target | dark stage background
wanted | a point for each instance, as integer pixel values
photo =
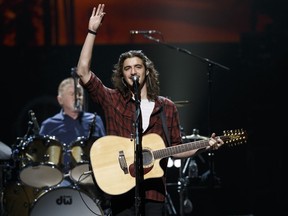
(249, 96)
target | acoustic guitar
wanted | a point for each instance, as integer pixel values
(112, 158)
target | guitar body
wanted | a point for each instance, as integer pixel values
(107, 170)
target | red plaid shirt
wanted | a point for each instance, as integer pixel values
(119, 115)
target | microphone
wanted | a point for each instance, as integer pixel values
(74, 72)
(144, 32)
(135, 79)
(33, 118)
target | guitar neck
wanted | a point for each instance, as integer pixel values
(169, 151)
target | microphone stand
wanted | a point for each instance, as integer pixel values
(205, 60)
(211, 65)
(138, 157)
(75, 77)
(29, 130)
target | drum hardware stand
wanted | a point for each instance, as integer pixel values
(33, 127)
(1, 191)
(19, 142)
(169, 205)
(185, 204)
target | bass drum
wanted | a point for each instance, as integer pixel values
(18, 199)
(65, 201)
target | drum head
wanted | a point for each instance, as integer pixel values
(41, 176)
(78, 174)
(65, 201)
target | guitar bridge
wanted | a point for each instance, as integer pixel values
(122, 162)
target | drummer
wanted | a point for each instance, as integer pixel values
(72, 122)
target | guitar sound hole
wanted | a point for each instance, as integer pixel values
(147, 157)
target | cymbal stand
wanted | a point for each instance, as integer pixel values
(169, 205)
(182, 186)
(185, 205)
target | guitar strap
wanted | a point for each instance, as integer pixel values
(165, 128)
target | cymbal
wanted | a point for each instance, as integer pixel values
(5, 151)
(181, 103)
(195, 137)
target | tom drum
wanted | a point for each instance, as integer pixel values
(40, 162)
(80, 151)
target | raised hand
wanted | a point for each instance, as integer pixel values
(96, 18)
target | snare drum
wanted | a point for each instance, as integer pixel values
(65, 201)
(40, 160)
(80, 151)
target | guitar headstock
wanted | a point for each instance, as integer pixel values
(234, 137)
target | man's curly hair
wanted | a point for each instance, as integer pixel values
(152, 81)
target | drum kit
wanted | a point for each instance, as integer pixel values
(31, 174)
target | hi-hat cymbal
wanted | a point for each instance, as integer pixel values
(195, 137)
(181, 103)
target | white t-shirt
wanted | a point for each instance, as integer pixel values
(146, 110)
